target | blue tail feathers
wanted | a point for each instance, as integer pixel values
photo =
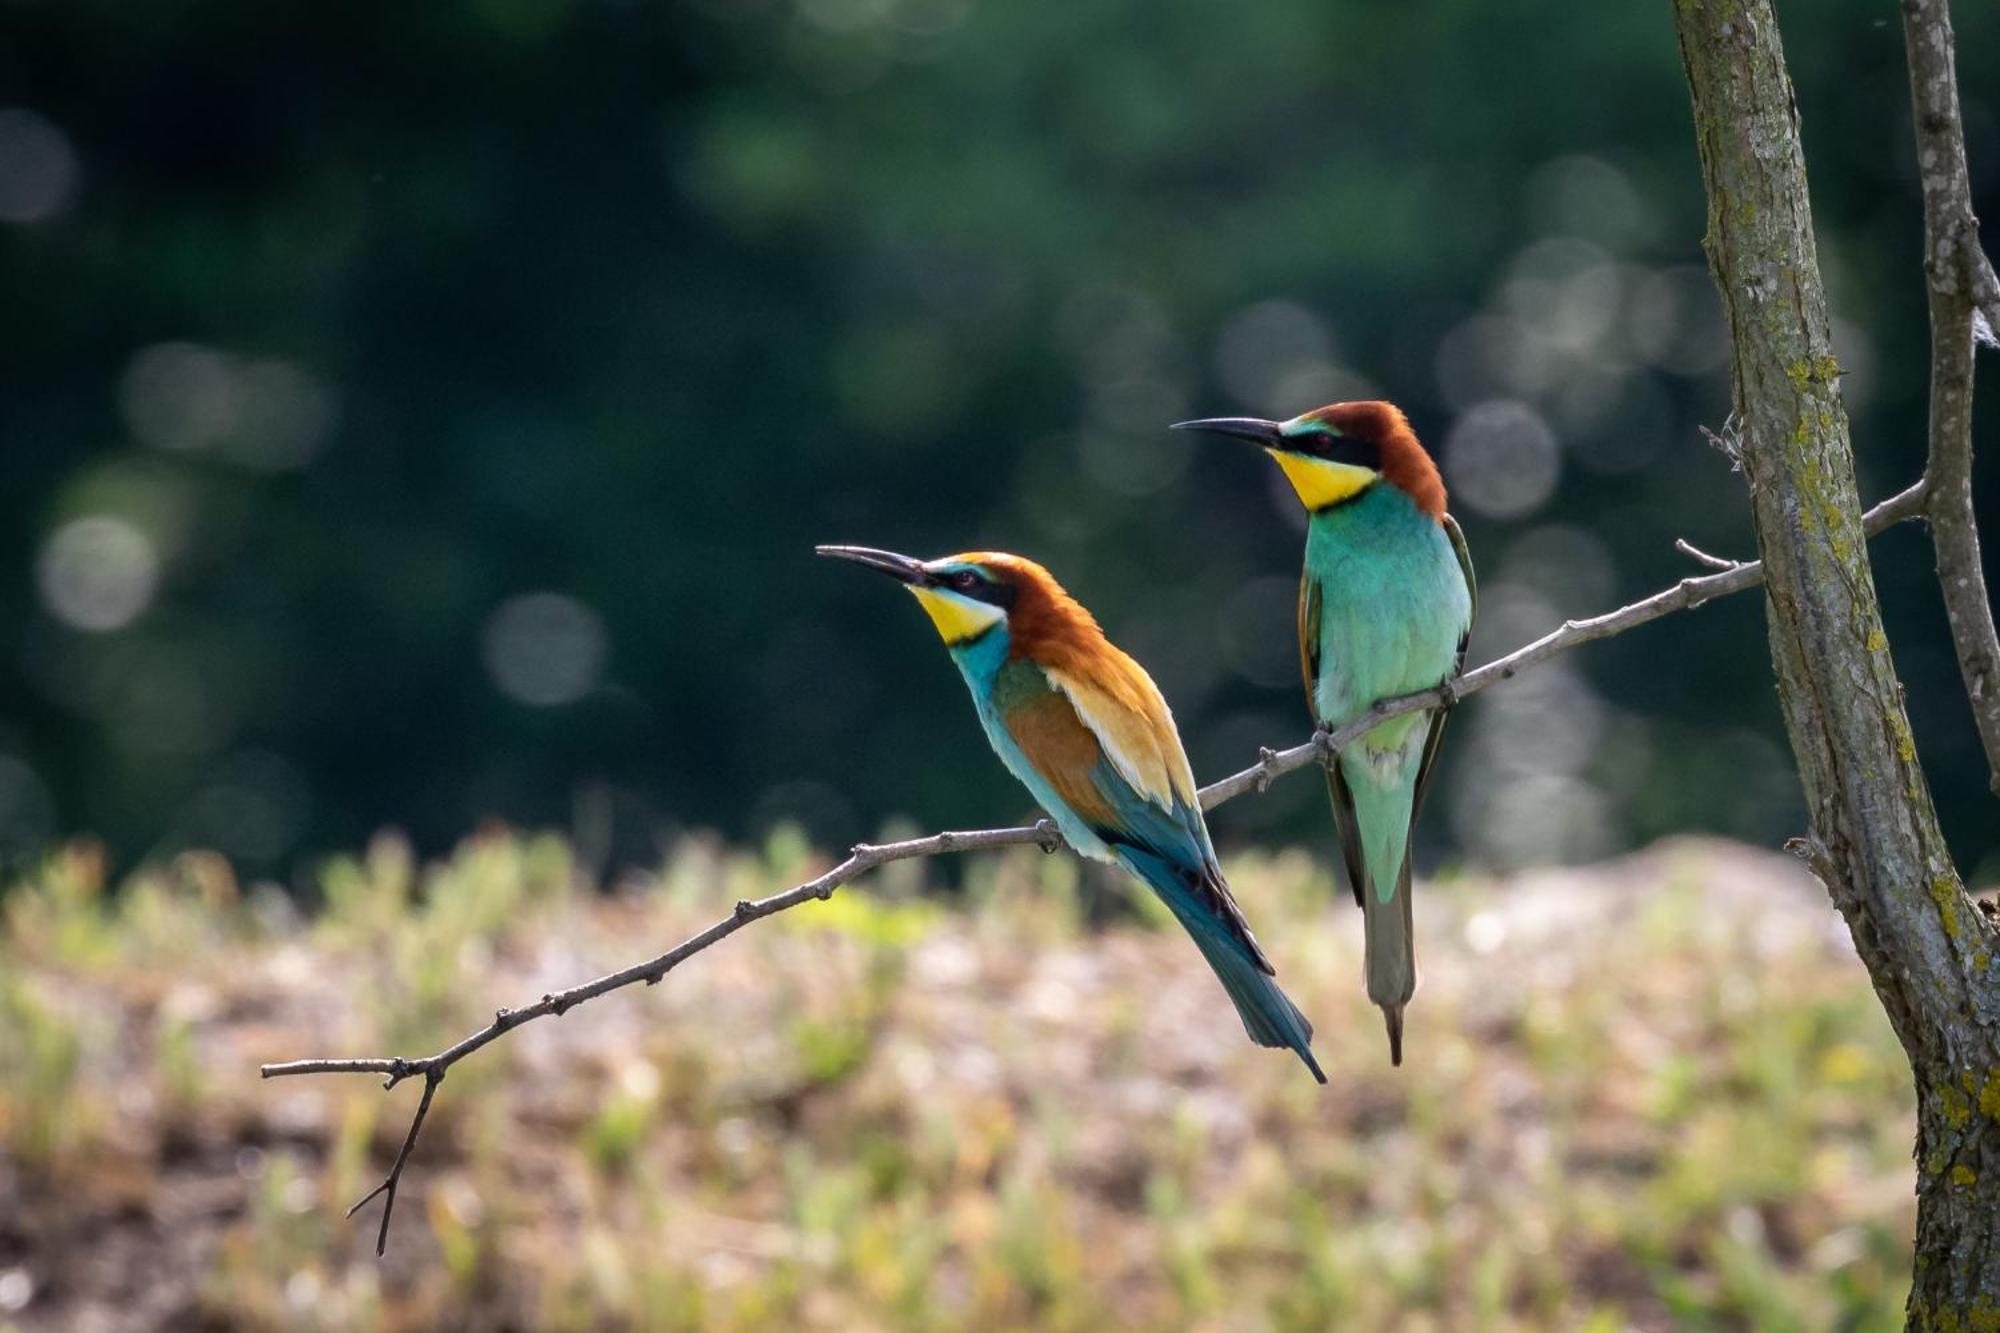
(1268, 1014)
(1191, 891)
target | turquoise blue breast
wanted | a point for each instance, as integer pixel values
(998, 686)
(1393, 601)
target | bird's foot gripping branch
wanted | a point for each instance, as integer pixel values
(1273, 764)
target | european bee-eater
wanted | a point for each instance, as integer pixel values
(1385, 606)
(1086, 731)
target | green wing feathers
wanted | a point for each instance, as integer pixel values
(1376, 801)
(1350, 835)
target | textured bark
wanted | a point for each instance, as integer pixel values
(1954, 268)
(1874, 839)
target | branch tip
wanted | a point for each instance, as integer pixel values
(1693, 552)
(362, 1202)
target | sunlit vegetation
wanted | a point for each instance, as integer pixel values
(1652, 1094)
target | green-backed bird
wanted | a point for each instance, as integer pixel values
(1385, 605)
(1085, 730)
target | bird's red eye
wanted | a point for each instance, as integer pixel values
(965, 580)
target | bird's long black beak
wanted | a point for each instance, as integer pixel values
(1254, 429)
(900, 567)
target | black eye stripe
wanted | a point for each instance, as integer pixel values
(1344, 449)
(979, 586)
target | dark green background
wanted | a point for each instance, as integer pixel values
(634, 302)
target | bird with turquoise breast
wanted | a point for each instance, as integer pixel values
(1083, 727)
(1385, 606)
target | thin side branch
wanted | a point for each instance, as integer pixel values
(395, 1177)
(1699, 556)
(1985, 297)
(1272, 764)
(1728, 441)
(1963, 292)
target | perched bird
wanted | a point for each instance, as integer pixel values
(1085, 730)
(1385, 605)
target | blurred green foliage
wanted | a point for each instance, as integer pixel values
(421, 413)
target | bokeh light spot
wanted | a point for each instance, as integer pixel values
(1675, 321)
(1271, 347)
(544, 649)
(38, 168)
(1520, 793)
(1501, 460)
(1566, 291)
(1572, 567)
(98, 572)
(178, 396)
(263, 413)
(17, 1288)
(1587, 196)
(1492, 355)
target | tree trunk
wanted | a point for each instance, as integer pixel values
(1874, 841)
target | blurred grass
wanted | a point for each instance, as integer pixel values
(1655, 1093)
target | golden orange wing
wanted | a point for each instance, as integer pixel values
(1118, 702)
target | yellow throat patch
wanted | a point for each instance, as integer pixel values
(1321, 482)
(957, 618)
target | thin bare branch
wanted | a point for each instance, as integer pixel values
(1271, 764)
(1963, 293)
(390, 1182)
(1985, 297)
(1728, 441)
(432, 1068)
(1695, 553)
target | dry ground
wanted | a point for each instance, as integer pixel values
(1649, 1094)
